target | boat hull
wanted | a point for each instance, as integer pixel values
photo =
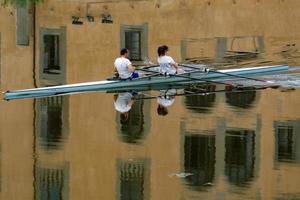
(141, 82)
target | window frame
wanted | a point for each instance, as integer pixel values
(60, 77)
(143, 29)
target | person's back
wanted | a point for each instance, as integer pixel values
(165, 63)
(121, 64)
(124, 66)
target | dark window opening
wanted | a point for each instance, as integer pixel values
(199, 159)
(240, 156)
(285, 144)
(107, 19)
(51, 54)
(133, 43)
(51, 135)
(51, 183)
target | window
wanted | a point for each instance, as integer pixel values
(51, 54)
(135, 38)
(133, 43)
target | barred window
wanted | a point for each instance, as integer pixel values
(135, 38)
(133, 43)
(51, 54)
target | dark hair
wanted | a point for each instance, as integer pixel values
(161, 110)
(161, 51)
(123, 51)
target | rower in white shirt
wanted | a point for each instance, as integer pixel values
(124, 66)
(164, 100)
(123, 102)
(167, 63)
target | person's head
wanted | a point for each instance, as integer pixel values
(161, 51)
(124, 117)
(161, 110)
(124, 52)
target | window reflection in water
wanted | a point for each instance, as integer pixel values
(199, 159)
(241, 99)
(200, 103)
(239, 156)
(132, 127)
(287, 141)
(51, 183)
(133, 179)
(223, 51)
(51, 121)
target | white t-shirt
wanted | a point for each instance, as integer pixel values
(121, 64)
(165, 64)
(166, 97)
(122, 102)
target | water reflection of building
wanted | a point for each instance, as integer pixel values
(200, 103)
(241, 99)
(133, 179)
(287, 141)
(218, 151)
(199, 158)
(52, 122)
(51, 182)
(135, 125)
(222, 50)
(240, 155)
(51, 171)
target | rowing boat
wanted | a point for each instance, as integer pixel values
(115, 85)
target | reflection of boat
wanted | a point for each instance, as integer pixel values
(145, 82)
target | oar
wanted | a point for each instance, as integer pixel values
(228, 74)
(201, 92)
(192, 78)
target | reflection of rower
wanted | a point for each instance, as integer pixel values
(164, 100)
(123, 103)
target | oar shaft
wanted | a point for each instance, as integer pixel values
(202, 79)
(193, 78)
(201, 92)
(227, 74)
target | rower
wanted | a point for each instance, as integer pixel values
(123, 103)
(124, 67)
(164, 100)
(167, 63)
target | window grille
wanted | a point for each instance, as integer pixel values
(133, 43)
(51, 54)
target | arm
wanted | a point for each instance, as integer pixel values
(130, 67)
(175, 65)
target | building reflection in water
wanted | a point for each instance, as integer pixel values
(135, 124)
(287, 141)
(199, 159)
(51, 174)
(51, 183)
(51, 122)
(241, 99)
(239, 156)
(223, 51)
(200, 103)
(133, 179)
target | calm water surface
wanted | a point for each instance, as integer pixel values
(218, 146)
